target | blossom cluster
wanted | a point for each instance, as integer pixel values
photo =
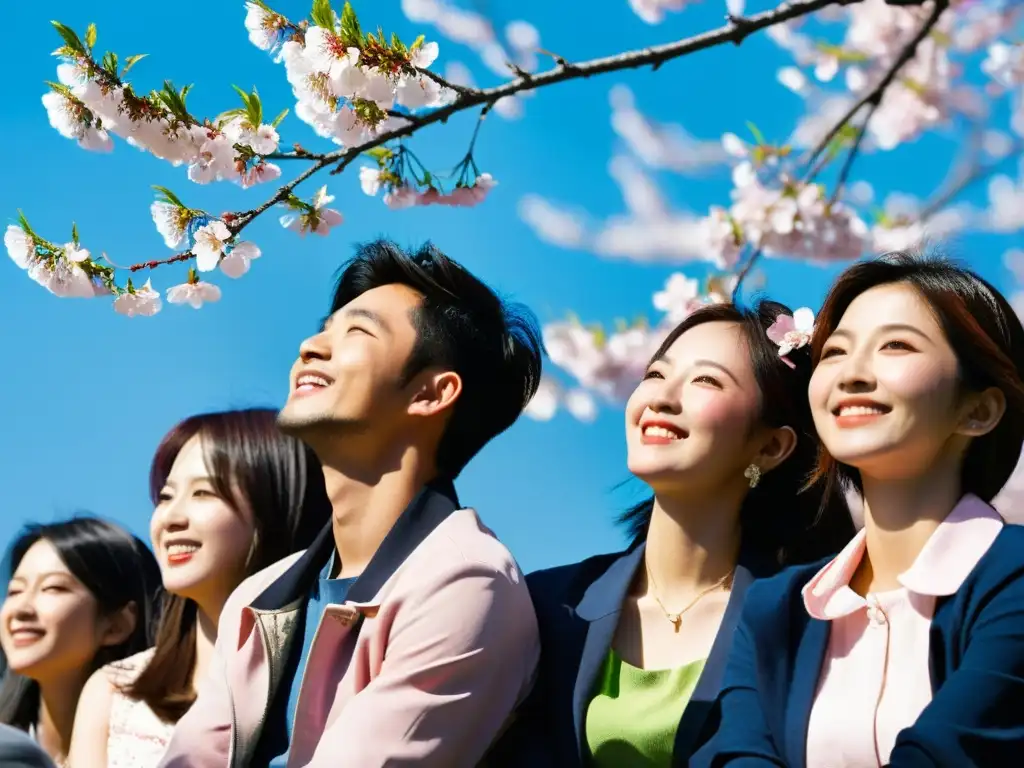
(608, 365)
(787, 201)
(349, 86)
(91, 101)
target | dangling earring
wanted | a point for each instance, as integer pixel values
(753, 474)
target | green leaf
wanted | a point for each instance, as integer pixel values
(758, 136)
(109, 63)
(397, 44)
(168, 197)
(417, 42)
(255, 109)
(263, 5)
(227, 116)
(62, 89)
(280, 117)
(23, 223)
(351, 33)
(322, 14)
(244, 94)
(74, 233)
(380, 153)
(71, 39)
(90, 35)
(131, 61)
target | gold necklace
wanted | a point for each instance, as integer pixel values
(676, 619)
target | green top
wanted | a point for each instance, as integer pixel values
(633, 717)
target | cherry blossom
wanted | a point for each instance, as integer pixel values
(238, 258)
(679, 298)
(792, 331)
(266, 29)
(20, 246)
(72, 120)
(210, 242)
(544, 403)
(195, 294)
(312, 217)
(144, 301)
(1005, 64)
(73, 252)
(653, 11)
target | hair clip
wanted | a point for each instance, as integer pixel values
(792, 332)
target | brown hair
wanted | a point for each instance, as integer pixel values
(987, 339)
(253, 466)
(785, 520)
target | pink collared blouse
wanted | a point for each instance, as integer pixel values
(875, 677)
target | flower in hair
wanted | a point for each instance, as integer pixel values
(792, 332)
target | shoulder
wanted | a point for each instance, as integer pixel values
(1001, 568)
(124, 671)
(769, 598)
(566, 584)
(462, 546)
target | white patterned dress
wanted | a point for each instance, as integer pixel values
(137, 737)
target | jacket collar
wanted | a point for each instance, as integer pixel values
(431, 506)
(941, 567)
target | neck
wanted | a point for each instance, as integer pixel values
(364, 510)
(206, 636)
(57, 702)
(899, 518)
(692, 544)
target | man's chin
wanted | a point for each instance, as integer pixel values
(292, 421)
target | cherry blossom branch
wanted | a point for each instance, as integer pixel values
(736, 30)
(874, 96)
(818, 159)
(966, 179)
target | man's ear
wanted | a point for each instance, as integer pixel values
(435, 393)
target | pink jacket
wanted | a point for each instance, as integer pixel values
(447, 648)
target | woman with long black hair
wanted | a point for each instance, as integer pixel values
(81, 595)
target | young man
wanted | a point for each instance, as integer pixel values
(405, 635)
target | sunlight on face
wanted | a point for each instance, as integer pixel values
(690, 421)
(885, 394)
(348, 374)
(49, 622)
(201, 542)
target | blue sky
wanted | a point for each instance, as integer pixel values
(88, 393)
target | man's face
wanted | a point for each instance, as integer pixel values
(348, 377)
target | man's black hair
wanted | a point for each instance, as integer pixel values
(463, 326)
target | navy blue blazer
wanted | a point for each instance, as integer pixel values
(578, 608)
(975, 718)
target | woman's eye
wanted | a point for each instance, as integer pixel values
(653, 375)
(204, 493)
(901, 346)
(705, 379)
(831, 352)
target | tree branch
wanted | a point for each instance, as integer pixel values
(734, 31)
(967, 178)
(872, 100)
(874, 96)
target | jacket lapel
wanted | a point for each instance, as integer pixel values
(806, 670)
(267, 630)
(600, 607)
(710, 682)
